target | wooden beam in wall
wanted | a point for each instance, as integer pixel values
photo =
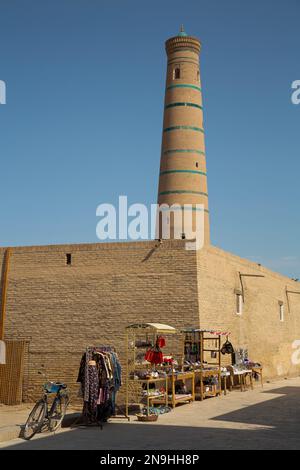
(4, 285)
(241, 275)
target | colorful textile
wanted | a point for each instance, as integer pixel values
(100, 378)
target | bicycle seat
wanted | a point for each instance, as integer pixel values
(52, 387)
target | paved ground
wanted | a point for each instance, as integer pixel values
(15, 415)
(259, 419)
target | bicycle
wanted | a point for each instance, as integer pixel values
(41, 416)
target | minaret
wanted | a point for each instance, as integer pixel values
(183, 166)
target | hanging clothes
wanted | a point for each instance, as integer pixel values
(90, 411)
(227, 348)
(154, 355)
(100, 377)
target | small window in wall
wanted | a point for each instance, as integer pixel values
(239, 304)
(281, 311)
(176, 73)
(198, 76)
(197, 164)
(68, 258)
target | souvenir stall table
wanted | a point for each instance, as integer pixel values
(225, 374)
(174, 398)
(258, 371)
(202, 354)
(245, 369)
(153, 395)
(242, 374)
(177, 398)
(154, 367)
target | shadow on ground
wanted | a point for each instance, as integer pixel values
(282, 413)
(280, 416)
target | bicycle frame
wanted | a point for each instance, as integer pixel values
(49, 405)
(61, 392)
(51, 414)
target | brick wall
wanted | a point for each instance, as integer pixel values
(259, 327)
(63, 308)
(60, 308)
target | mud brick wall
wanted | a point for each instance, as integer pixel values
(61, 308)
(259, 328)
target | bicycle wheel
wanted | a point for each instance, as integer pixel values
(35, 420)
(57, 412)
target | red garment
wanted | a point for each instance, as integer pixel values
(168, 360)
(161, 342)
(157, 357)
(149, 355)
(154, 356)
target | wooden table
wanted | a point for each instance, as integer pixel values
(259, 372)
(174, 399)
(224, 376)
(248, 375)
(208, 373)
(151, 399)
(177, 398)
(242, 378)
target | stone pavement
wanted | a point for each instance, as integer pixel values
(11, 418)
(266, 418)
(14, 415)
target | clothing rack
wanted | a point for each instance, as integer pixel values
(107, 348)
(110, 366)
(122, 413)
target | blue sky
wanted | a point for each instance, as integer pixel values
(83, 119)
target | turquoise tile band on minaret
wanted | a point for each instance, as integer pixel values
(184, 85)
(170, 151)
(173, 105)
(183, 128)
(197, 172)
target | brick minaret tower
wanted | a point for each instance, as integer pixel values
(183, 166)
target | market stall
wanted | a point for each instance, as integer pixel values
(202, 354)
(244, 370)
(155, 374)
